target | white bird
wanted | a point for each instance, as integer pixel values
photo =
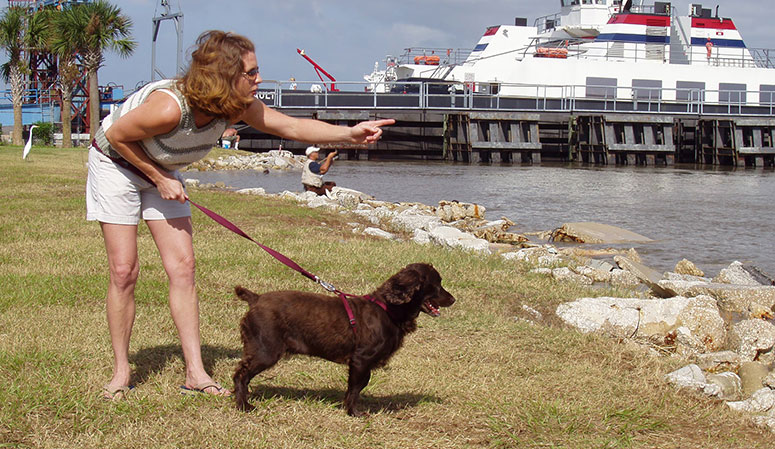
(28, 146)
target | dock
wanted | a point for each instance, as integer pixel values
(476, 128)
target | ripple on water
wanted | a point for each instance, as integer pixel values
(711, 217)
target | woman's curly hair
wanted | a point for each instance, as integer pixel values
(216, 65)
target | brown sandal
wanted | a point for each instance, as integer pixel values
(116, 393)
(202, 389)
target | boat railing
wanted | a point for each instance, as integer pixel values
(548, 23)
(763, 57)
(617, 51)
(446, 56)
(644, 9)
(519, 97)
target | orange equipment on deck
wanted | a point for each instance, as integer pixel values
(427, 60)
(550, 52)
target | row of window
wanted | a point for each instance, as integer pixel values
(583, 2)
(685, 90)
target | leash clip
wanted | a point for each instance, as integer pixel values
(328, 286)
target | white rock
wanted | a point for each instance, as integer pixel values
(671, 276)
(749, 337)
(566, 274)
(252, 191)
(703, 320)
(728, 385)
(736, 274)
(623, 278)
(535, 314)
(421, 237)
(293, 196)
(348, 198)
(379, 233)
(690, 376)
(455, 238)
(761, 401)
(624, 317)
(593, 273)
(549, 260)
(414, 219)
(321, 201)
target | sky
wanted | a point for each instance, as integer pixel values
(346, 37)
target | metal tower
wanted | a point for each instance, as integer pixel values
(42, 81)
(176, 17)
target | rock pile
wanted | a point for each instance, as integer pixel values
(452, 224)
(272, 160)
(723, 325)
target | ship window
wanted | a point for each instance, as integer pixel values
(690, 91)
(647, 89)
(767, 94)
(731, 93)
(601, 87)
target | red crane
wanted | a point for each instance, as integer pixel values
(319, 70)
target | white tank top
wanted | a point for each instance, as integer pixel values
(183, 145)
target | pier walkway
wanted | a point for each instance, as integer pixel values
(436, 121)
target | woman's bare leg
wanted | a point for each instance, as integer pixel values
(174, 240)
(121, 246)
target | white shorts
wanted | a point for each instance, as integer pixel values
(117, 195)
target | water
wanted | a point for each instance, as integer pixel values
(711, 217)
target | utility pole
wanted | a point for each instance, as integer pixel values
(177, 18)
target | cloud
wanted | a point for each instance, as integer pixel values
(420, 35)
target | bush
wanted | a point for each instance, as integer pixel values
(43, 133)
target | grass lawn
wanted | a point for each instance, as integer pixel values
(478, 376)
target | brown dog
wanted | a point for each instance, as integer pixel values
(290, 322)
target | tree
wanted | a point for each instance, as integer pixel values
(12, 31)
(99, 27)
(65, 39)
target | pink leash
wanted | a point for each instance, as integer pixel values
(277, 255)
(290, 263)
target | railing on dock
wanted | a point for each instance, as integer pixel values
(520, 97)
(32, 111)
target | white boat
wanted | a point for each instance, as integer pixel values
(601, 49)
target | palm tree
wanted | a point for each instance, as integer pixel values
(99, 27)
(64, 43)
(12, 27)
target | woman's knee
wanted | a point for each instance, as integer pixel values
(182, 270)
(124, 275)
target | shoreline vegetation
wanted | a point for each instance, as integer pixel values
(488, 373)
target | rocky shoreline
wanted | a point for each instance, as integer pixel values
(722, 326)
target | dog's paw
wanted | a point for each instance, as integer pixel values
(245, 407)
(358, 413)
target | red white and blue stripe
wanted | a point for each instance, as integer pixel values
(722, 32)
(633, 28)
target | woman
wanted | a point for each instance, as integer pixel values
(132, 175)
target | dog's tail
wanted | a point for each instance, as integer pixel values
(246, 295)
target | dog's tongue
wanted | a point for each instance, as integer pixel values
(432, 311)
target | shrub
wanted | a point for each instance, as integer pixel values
(43, 133)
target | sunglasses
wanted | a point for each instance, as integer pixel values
(252, 73)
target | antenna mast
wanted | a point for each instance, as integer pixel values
(176, 17)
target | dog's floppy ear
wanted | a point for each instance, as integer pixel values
(402, 286)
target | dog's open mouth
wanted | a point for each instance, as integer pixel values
(431, 309)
